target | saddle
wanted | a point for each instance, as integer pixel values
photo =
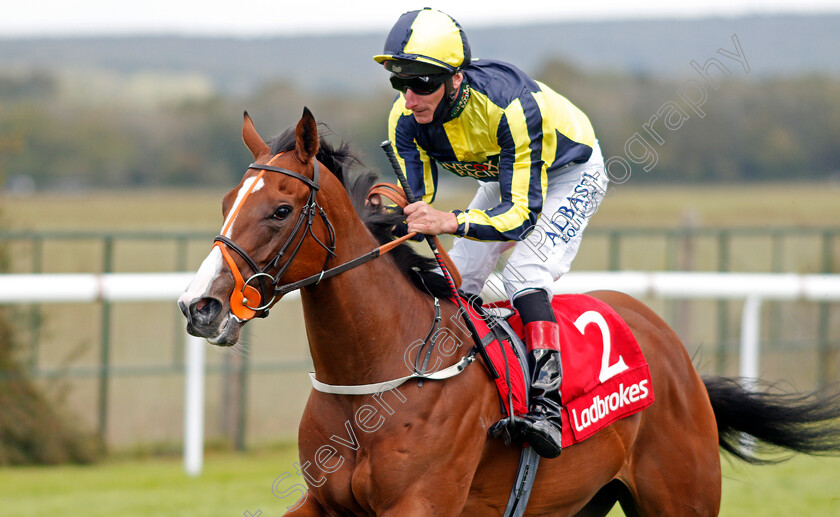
(605, 378)
(621, 387)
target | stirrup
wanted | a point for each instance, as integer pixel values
(507, 430)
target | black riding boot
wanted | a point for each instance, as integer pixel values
(542, 426)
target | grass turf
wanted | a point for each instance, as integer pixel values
(239, 484)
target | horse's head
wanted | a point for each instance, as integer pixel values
(274, 233)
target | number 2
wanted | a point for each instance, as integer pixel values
(608, 371)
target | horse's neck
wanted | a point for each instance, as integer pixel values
(360, 323)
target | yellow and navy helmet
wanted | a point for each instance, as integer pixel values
(423, 42)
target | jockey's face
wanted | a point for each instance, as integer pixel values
(423, 106)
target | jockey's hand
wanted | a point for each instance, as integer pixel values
(423, 218)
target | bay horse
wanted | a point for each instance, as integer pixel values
(417, 450)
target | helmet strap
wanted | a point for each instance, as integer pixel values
(442, 110)
(452, 103)
(456, 100)
(449, 90)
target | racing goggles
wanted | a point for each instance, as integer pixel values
(419, 84)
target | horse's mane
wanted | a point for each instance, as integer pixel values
(380, 222)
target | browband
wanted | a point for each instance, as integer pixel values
(313, 183)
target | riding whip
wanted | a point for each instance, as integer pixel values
(409, 195)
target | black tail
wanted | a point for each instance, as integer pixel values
(807, 423)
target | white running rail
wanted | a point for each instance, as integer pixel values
(754, 288)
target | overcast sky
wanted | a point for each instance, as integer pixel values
(275, 17)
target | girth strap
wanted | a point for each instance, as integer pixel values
(526, 472)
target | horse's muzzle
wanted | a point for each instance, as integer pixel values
(203, 315)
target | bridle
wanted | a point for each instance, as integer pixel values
(253, 297)
(268, 287)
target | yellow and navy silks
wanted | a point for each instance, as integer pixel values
(427, 36)
(505, 127)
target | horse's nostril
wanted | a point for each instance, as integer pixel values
(200, 305)
(205, 310)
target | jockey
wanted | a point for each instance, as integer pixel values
(540, 178)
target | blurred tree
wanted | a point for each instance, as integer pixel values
(777, 129)
(750, 130)
(32, 431)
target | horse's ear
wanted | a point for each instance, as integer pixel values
(306, 137)
(252, 139)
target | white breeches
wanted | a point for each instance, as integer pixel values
(546, 253)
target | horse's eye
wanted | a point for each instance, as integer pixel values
(282, 212)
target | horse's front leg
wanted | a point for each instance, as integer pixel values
(310, 508)
(432, 501)
(410, 509)
(396, 481)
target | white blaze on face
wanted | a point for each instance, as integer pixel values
(206, 275)
(211, 268)
(227, 228)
